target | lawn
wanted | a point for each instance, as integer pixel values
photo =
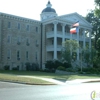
(15, 76)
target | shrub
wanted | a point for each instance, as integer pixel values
(6, 67)
(67, 65)
(52, 65)
(32, 67)
(27, 66)
(61, 68)
(70, 70)
(15, 68)
(91, 70)
(35, 67)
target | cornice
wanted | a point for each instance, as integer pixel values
(72, 14)
(18, 18)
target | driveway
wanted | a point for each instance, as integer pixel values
(78, 91)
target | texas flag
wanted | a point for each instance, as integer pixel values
(76, 24)
(74, 28)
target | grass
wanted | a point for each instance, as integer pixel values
(18, 79)
(14, 76)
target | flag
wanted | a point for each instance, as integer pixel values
(74, 28)
(76, 24)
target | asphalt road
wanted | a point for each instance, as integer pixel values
(13, 91)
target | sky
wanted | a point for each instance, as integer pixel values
(33, 8)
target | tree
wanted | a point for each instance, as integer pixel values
(98, 46)
(95, 21)
(97, 8)
(97, 58)
(94, 18)
(88, 56)
(69, 46)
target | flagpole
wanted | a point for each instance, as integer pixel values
(81, 60)
(71, 45)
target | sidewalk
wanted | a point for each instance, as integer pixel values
(82, 81)
(46, 79)
(76, 81)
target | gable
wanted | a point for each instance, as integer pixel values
(76, 17)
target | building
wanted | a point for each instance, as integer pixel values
(26, 40)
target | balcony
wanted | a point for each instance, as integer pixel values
(67, 35)
(51, 47)
(51, 34)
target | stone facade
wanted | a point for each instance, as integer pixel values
(20, 40)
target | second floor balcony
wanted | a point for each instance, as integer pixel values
(67, 35)
(51, 47)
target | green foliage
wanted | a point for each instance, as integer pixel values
(74, 56)
(52, 65)
(88, 55)
(32, 67)
(66, 55)
(97, 8)
(61, 68)
(97, 2)
(6, 67)
(98, 45)
(70, 70)
(91, 70)
(68, 47)
(95, 22)
(96, 60)
(15, 68)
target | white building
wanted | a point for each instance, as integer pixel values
(56, 29)
(44, 37)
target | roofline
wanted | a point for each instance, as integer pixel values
(78, 15)
(18, 17)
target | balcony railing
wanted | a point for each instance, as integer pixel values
(67, 35)
(51, 34)
(51, 47)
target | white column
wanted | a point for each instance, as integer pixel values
(78, 48)
(55, 39)
(90, 40)
(84, 42)
(63, 32)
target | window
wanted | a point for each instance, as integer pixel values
(36, 29)
(27, 42)
(36, 56)
(8, 39)
(18, 40)
(8, 54)
(18, 55)
(37, 43)
(52, 42)
(19, 26)
(27, 27)
(52, 28)
(9, 24)
(27, 55)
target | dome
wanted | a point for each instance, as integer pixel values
(48, 8)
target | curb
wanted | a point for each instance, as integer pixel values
(24, 82)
